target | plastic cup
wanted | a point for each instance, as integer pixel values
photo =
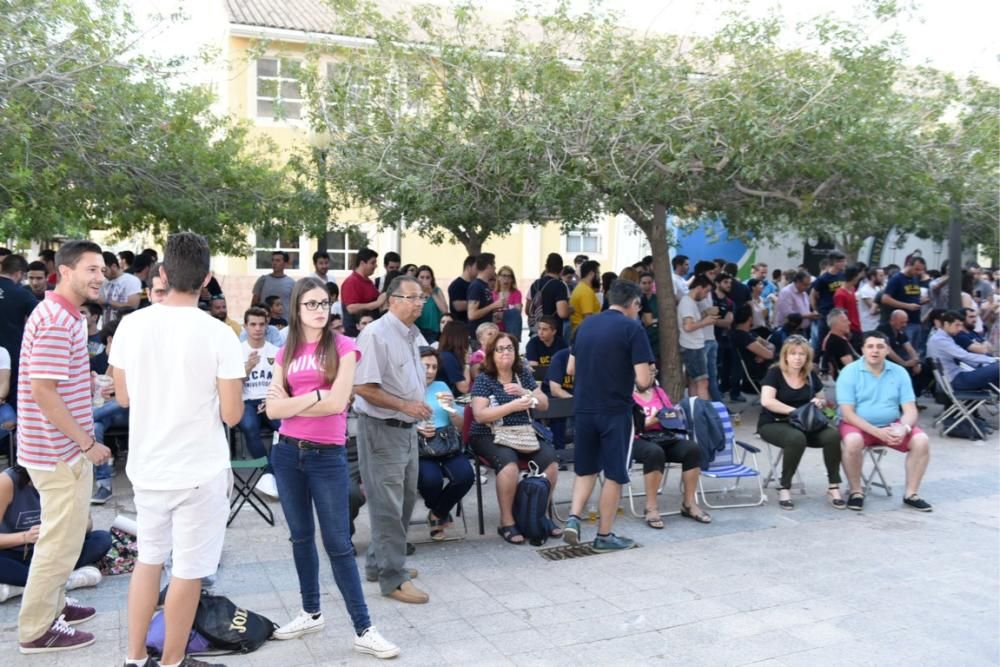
(898, 430)
(101, 382)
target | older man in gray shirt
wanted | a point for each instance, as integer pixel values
(389, 384)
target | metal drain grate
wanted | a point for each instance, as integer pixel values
(568, 552)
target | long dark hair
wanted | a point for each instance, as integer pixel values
(455, 339)
(429, 270)
(326, 350)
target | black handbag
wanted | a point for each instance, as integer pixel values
(808, 418)
(444, 443)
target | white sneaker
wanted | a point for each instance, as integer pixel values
(300, 625)
(7, 592)
(267, 485)
(85, 577)
(372, 643)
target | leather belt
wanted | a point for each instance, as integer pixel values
(306, 444)
(396, 423)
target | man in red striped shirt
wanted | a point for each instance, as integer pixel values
(56, 444)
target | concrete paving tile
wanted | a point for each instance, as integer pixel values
(520, 641)
(496, 624)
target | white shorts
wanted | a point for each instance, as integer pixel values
(189, 522)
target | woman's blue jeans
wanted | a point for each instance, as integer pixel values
(318, 477)
(107, 416)
(441, 497)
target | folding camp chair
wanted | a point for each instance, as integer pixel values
(774, 474)
(632, 495)
(962, 405)
(875, 455)
(750, 381)
(243, 488)
(727, 465)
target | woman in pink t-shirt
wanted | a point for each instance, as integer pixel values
(506, 288)
(657, 447)
(312, 384)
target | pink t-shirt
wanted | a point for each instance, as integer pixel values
(514, 298)
(305, 375)
(656, 402)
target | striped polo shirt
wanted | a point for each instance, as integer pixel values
(54, 348)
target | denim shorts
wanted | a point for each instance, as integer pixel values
(695, 364)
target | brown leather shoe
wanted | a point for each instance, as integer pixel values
(410, 594)
(374, 577)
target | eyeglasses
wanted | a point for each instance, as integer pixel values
(506, 275)
(313, 305)
(503, 348)
(412, 298)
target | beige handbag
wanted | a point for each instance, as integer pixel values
(519, 437)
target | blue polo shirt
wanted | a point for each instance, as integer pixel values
(606, 348)
(877, 400)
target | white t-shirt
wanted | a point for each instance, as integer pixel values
(680, 286)
(172, 357)
(118, 290)
(688, 307)
(869, 320)
(256, 384)
(4, 359)
(328, 278)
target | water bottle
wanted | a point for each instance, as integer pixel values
(592, 513)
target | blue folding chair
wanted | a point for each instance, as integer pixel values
(730, 464)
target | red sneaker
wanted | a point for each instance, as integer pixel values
(75, 613)
(59, 637)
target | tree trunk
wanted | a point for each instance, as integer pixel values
(670, 350)
(473, 242)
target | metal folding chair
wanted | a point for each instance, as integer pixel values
(728, 465)
(243, 488)
(962, 405)
(874, 455)
(774, 474)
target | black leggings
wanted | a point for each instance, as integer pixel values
(654, 456)
(794, 443)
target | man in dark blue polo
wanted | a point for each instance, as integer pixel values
(16, 303)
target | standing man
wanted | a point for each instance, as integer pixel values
(458, 290)
(120, 291)
(276, 282)
(611, 355)
(358, 293)
(793, 299)
(680, 264)
(16, 304)
(554, 293)
(583, 302)
(903, 292)
(179, 457)
(37, 280)
(321, 262)
(693, 323)
(846, 299)
(821, 295)
(218, 309)
(57, 446)
(389, 388)
(481, 305)
(390, 263)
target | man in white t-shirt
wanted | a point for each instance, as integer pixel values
(868, 310)
(321, 262)
(180, 372)
(258, 363)
(691, 323)
(120, 290)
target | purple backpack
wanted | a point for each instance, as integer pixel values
(197, 644)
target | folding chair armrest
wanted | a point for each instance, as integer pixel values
(748, 447)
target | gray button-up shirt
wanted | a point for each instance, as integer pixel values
(390, 357)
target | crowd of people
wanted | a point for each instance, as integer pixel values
(89, 342)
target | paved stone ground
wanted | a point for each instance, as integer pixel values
(761, 586)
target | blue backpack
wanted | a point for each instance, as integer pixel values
(531, 503)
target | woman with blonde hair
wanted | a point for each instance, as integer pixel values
(506, 288)
(788, 385)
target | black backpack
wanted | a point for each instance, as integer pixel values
(230, 628)
(535, 310)
(531, 504)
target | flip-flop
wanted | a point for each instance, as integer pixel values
(508, 533)
(704, 517)
(656, 523)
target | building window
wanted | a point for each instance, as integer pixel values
(343, 247)
(279, 92)
(584, 240)
(268, 245)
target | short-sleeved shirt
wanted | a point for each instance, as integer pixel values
(4, 359)
(173, 358)
(16, 304)
(907, 290)
(356, 289)
(305, 375)
(965, 338)
(650, 305)
(538, 351)
(741, 340)
(439, 416)
(554, 291)
(390, 357)
(256, 384)
(825, 286)
(557, 372)
(606, 349)
(739, 294)
(657, 401)
(480, 292)
(268, 285)
(118, 290)
(725, 306)
(869, 320)
(54, 348)
(847, 300)
(877, 400)
(835, 349)
(487, 386)
(458, 290)
(897, 341)
(786, 394)
(584, 303)
(690, 340)
(450, 370)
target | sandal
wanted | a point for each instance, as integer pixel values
(437, 527)
(856, 501)
(653, 518)
(786, 503)
(838, 503)
(703, 517)
(508, 533)
(554, 530)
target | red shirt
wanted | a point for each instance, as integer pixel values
(357, 289)
(54, 348)
(847, 300)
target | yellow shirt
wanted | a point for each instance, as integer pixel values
(584, 303)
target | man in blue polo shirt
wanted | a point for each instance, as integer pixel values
(878, 408)
(611, 355)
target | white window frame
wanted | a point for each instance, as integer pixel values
(305, 255)
(253, 97)
(346, 251)
(594, 231)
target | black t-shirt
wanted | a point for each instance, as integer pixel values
(16, 303)
(739, 293)
(787, 395)
(542, 353)
(837, 347)
(557, 372)
(607, 348)
(458, 290)
(552, 293)
(825, 286)
(896, 340)
(480, 292)
(741, 340)
(725, 306)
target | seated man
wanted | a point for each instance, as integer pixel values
(838, 351)
(8, 416)
(942, 346)
(558, 383)
(107, 414)
(542, 347)
(757, 353)
(218, 309)
(877, 407)
(901, 351)
(258, 363)
(790, 327)
(968, 339)
(276, 312)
